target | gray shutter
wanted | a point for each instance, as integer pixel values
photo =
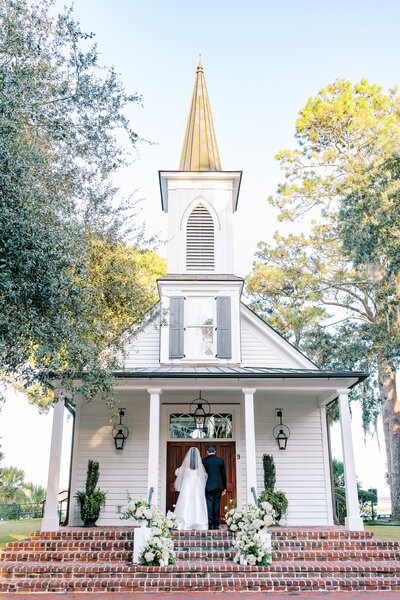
(224, 342)
(176, 327)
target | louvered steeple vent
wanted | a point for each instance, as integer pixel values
(200, 241)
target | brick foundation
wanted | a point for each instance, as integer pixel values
(98, 560)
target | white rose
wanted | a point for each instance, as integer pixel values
(156, 531)
(149, 557)
(268, 520)
(234, 527)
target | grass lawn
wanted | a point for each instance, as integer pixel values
(386, 532)
(11, 531)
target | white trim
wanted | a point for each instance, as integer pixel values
(353, 521)
(154, 442)
(250, 441)
(327, 470)
(75, 455)
(189, 209)
(166, 410)
(50, 520)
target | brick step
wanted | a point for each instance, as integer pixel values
(199, 543)
(78, 556)
(202, 582)
(108, 533)
(224, 568)
(69, 545)
(197, 553)
(328, 555)
(373, 543)
(205, 555)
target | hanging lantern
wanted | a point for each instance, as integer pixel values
(281, 432)
(198, 414)
(120, 432)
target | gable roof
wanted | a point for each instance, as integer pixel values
(272, 335)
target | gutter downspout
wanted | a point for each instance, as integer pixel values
(71, 409)
(328, 430)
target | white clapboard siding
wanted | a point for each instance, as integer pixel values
(120, 472)
(260, 350)
(144, 349)
(300, 469)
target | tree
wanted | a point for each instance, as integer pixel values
(344, 168)
(36, 493)
(62, 119)
(12, 488)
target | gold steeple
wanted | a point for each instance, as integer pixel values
(200, 151)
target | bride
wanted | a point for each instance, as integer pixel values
(191, 507)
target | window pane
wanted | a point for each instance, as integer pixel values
(218, 426)
(199, 342)
(199, 311)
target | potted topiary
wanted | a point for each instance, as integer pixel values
(277, 499)
(91, 500)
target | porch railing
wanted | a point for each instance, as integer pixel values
(253, 491)
(151, 491)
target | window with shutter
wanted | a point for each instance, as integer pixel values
(224, 336)
(200, 240)
(176, 327)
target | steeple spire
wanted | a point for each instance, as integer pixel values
(200, 151)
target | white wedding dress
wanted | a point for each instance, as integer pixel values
(191, 507)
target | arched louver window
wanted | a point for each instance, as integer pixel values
(200, 240)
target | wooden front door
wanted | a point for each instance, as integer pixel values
(176, 452)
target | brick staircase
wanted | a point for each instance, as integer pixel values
(97, 560)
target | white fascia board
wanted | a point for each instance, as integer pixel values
(284, 345)
(317, 387)
(165, 177)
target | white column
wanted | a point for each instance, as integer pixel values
(154, 442)
(251, 470)
(353, 521)
(50, 520)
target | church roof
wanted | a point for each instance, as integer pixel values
(237, 372)
(200, 150)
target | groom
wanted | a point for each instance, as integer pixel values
(215, 486)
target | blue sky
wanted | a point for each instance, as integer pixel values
(262, 61)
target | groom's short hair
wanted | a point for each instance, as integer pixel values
(210, 449)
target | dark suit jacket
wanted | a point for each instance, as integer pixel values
(215, 469)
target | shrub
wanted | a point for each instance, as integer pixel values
(91, 500)
(269, 472)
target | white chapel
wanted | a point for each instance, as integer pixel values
(206, 351)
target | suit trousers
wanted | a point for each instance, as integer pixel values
(213, 499)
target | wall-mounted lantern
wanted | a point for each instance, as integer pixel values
(281, 432)
(120, 432)
(198, 414)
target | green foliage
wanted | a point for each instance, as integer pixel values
(12, 488)
(336, 291)
(269, 472)
(278, 501)
(64, 135)
(92, 476)
(91, 500)
(367, 499)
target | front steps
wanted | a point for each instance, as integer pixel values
(97, 560)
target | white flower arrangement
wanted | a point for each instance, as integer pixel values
(253, 543)
(159, 548)
(138, 510)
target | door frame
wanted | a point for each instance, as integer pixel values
(235, 410)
